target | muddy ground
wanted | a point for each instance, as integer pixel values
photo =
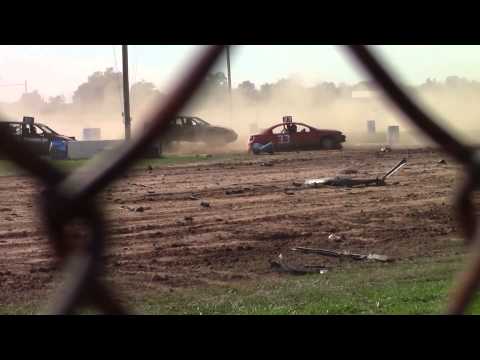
(177, 242)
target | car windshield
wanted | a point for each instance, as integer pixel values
(201, 122)
(46, 129)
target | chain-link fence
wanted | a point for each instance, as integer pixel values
(71, 197)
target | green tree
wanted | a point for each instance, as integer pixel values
(100, 89)
(143, 91)
(32, 101)
(265, 91)
(214, 89)
(248, 90)
(55, 104)
(217, 80)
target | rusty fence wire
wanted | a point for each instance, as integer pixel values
(72, 197)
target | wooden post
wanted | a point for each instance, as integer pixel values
(126, 93)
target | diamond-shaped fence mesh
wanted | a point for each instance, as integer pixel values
(70, 197)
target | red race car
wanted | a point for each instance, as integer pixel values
(291, 136)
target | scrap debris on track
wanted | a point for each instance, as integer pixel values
(346, 254)
(281, 266)
(181, 243)
(350, 182)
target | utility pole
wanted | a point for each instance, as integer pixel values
(228, 71)
(229, 74)
(126, 93)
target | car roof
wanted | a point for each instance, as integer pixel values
(296, 123)
(266, 131)
(19, 122)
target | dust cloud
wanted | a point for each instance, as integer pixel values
(248, 114)
(350, 115)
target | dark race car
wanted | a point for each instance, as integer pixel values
(194, 129)
(292, 136)
(38, 137)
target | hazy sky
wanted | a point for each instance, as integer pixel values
(55, 70)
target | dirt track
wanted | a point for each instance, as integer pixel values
(177, 242)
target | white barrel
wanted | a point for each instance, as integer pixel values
(371, 127)
(393, 135)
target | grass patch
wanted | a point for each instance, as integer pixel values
(7, 168)
(31, 308)
(407, 287)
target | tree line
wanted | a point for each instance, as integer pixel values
(103, 92)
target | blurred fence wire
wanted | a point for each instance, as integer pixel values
(72, 197)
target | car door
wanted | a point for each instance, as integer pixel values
(15, 129)
(189, 129)
(282, 140)
(303, 138)
(35, 139)
(200, 132)
(45, 139)
(177, 129)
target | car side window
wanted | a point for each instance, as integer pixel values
(179, 122)
(29, 130)
(199, 122)
(303, 129)
(38, 131)
(15, 129)
(278, 130)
